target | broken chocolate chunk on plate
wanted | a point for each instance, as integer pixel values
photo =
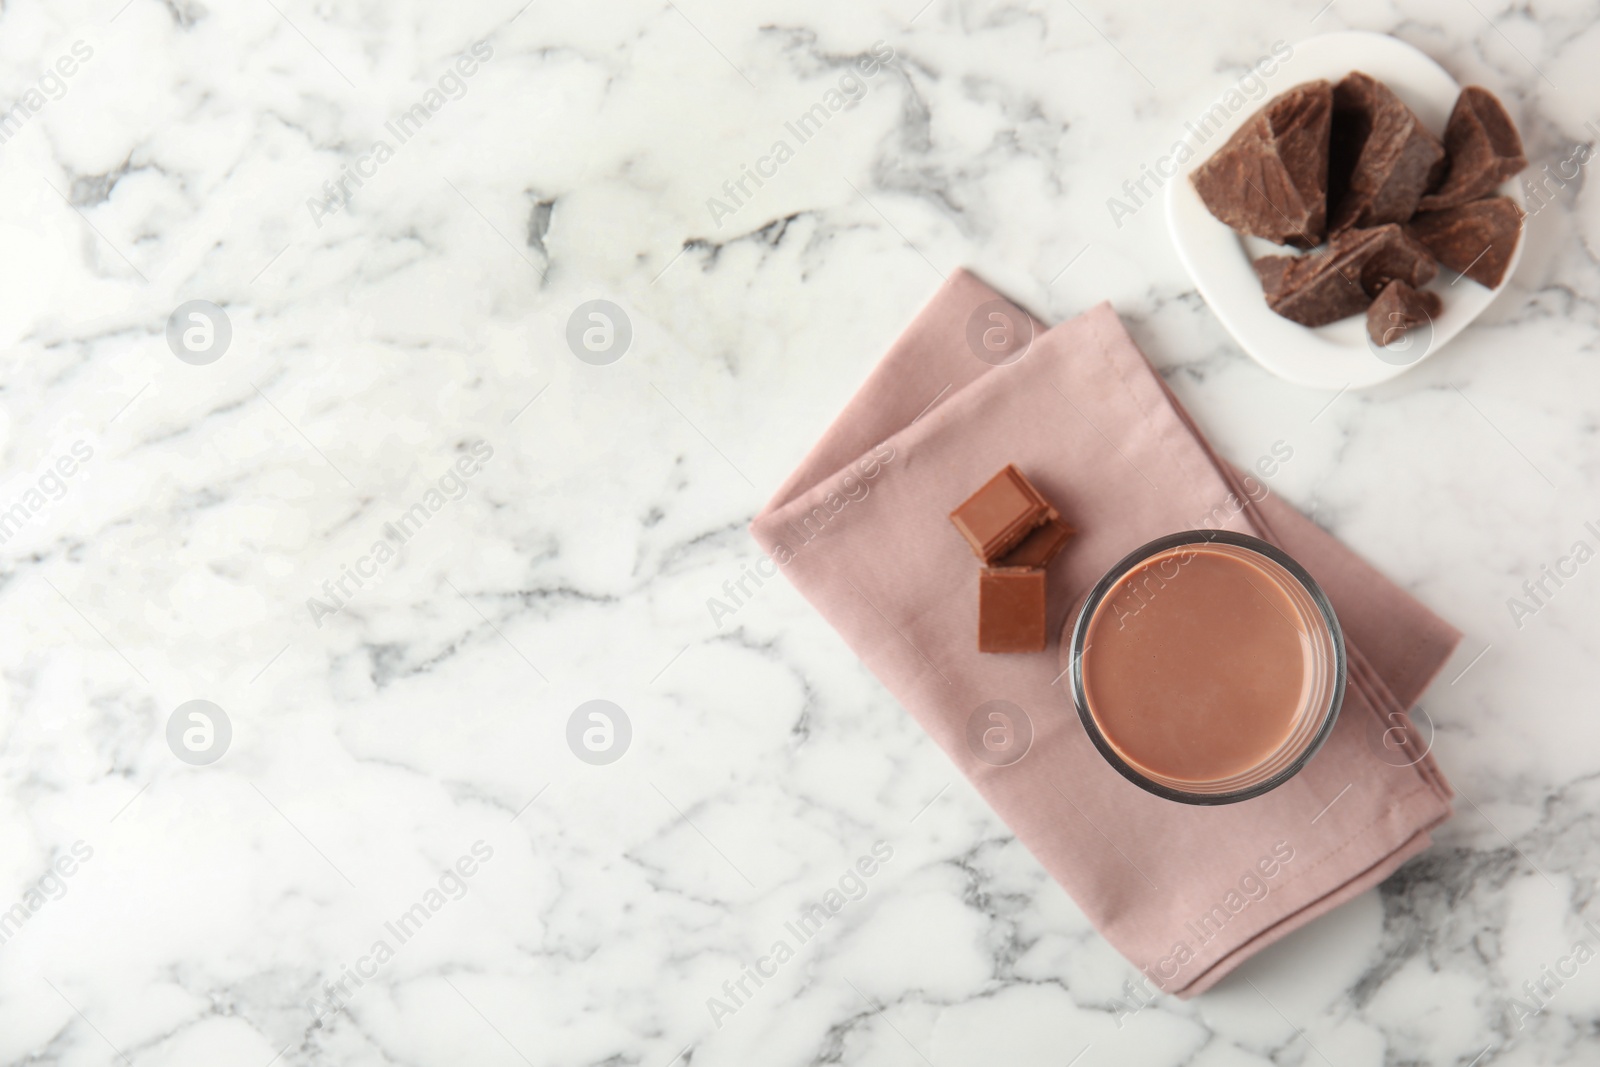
(1399, 256)
(1483, 149)
(1271, 271)
(1479, 239)
(1328, 284)
(1223, 264)
(1324, 285)
(1398, 310)
(1270, 179)
(1382, 155)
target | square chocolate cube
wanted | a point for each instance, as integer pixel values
(1011, 609)
(1000, 514)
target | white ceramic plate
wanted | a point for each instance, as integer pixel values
(1336, 356)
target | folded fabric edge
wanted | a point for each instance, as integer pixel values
(1336, 897)
(1425, 759)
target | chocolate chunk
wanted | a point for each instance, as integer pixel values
(1475, 239)
(1271, 269)
(1397, 309)
(1483, 149)
(1011, 615)
(1381, 156)
(1000, 514)
(1399, 256)
(1321, 287)
(1270, 179)
(1325, 286)
(1040, 546)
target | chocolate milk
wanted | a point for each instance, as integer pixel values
(1197, 664)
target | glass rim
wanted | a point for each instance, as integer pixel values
(1324, 606)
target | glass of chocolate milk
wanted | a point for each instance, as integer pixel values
(1208, 667)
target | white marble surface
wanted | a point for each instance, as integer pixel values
(374, 345)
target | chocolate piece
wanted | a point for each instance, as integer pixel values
(1399, 256)
(1381, 156)
(1397, 309)
(1271, 269)
(1483, 149)
(1475, 239)
(1040, 546)
(1322, 287)
(1319, 289)
(1000, 514)
(1270, 179)
(1011, 615)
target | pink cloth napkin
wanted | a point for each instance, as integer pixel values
(1185, 893)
